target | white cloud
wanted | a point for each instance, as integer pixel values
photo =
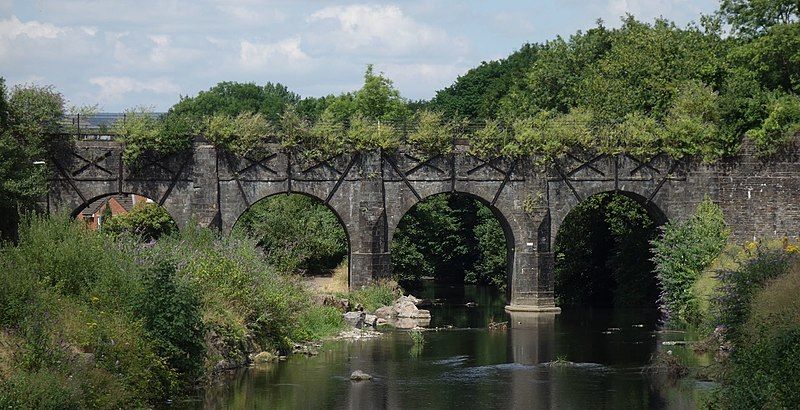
(380, 28)
(261, 55)
(420, 80)
(12, 28)
(251, 14)
(114, 88)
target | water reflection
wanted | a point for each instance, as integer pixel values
(470, 366)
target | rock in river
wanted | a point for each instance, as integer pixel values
(355, 319)
(358, 376)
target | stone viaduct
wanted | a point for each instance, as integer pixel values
(371, 191)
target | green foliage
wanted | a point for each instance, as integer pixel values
(761, 315)
(317, 322)
(476, 94)
(296, 232)
(449, 237)
(432, 133)
(750, 17)
(153, 317)
(146, 220)
(232, 98)
(365, 134)
(599, 251)
(376, 295)
(171, 315)
(379, 100)
(242, 134)
(738, 287)
(29, 118)
(780, 128)
(681, 254)
(143, 132)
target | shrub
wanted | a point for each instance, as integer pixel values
(762, 313)
(171, 316)
(433, 135)
(147, 220)
(779, 128)
(681, 254)
(317, 322)
(141, 131)
(243, 134)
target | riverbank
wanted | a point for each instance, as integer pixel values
(91, 320)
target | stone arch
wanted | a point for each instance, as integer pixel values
(76, 210)
(317, 199)
(561, 207)
(651, 208)
(510, 222)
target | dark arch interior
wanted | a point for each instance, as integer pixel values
(602, 252)
(298, 233)
(451, 238)
(127, 212)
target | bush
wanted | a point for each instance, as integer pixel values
(681, 254)
(147, 220)
(141, 132)
(243, 134)
(170, 312)
(780, 127)
(762, 315)
(296, 232)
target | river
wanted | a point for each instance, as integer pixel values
(602, 356)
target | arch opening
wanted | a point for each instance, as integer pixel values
(452, 238)
(127, 212)
(299, 233)
(603, 253)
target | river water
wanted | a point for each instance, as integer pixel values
(602, 354)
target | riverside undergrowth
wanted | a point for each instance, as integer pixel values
(93, 320)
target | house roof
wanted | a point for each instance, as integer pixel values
(125, 200)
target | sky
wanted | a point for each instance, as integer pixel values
(124, 54)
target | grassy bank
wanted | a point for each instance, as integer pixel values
(93, 320)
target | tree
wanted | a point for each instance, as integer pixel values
(28, 121)
(751, 17)
(378, 99)
(233, 98)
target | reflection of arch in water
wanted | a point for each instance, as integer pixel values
(316, 200)
(508, 233)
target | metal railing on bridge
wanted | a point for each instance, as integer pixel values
(98, 126)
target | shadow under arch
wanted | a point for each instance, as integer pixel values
(499, 216)
(599, 251)
(316, 200)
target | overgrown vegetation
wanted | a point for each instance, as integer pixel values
(452, 238)
(601, 253)
(759, 317)
(136, 324)
(681, 254)
(146, 220)
(641, 89)
(296, 233)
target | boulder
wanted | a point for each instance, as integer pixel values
(355, 319)
(370, 320)
(358, 376)
(405, 309)
(264, 357)
(385, 312)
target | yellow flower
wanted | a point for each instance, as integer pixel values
(792, 248)
(95, 299)
(751, 246)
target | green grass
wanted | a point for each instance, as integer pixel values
(374, 296)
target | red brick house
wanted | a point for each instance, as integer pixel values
(117, 204)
